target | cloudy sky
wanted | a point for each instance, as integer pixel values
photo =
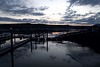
(82, 12)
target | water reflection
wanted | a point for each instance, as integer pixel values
(51, 54)
(6, 43)
(44, 53)
(12, 58)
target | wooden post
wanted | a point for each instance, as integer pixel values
(31, 42)
(35, 42)
(14, 39)
(39, 37)
(12, 58)
(43, 38)
(47, 35)
(43, 35)
(11, 40)
(47, 41)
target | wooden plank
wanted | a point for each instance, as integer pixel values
(8, 49)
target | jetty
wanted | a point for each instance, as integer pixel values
(87, 35)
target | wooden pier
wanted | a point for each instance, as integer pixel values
(39, 35)
(14, 46)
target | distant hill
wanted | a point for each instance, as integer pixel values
(41, 26)
(29, 26)
(97, 25)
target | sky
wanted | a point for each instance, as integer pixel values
(74, 12)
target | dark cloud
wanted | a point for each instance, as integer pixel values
(21, 11)
(10, 4)
(27, 11)
(67, 17)
(91, 20)
(90, 13)
(67, 20)
(23, 20)
(10, 19)
(84, 2)
(15, 7)
(42, 8)
(59, 14)
(38, 14)
(70, 15)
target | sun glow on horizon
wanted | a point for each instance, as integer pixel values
(59, 12)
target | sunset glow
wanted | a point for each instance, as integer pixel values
(45, 11)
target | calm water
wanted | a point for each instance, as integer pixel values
(51, 54)
(4, 44)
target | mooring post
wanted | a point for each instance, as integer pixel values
(47, 41)
(0, 46)
(12, 58)
(35, 42)
(14, 39)
(31, 42)
(39, 37)
(43, 38)
(11, 39)
(43, 35)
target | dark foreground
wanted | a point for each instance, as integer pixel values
(57, 54)
(90, 39)
(76, 49)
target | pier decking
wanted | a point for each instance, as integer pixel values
(13, 46)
